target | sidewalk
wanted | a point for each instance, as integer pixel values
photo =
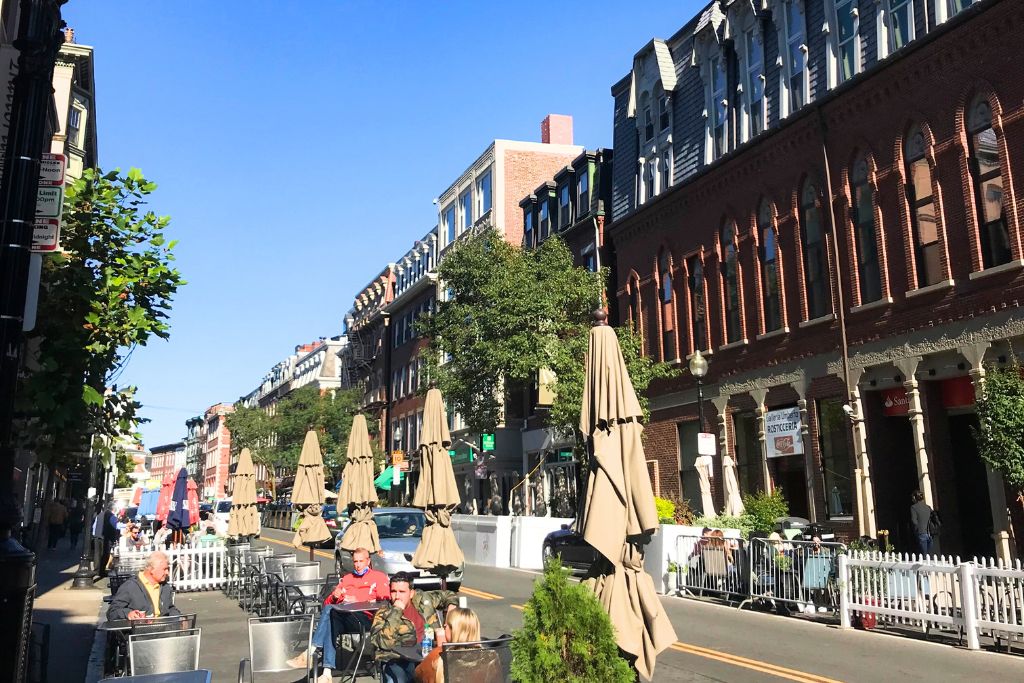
(70, 614)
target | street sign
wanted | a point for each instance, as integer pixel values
(45, 235)
(705, 444)
(486, 443)
(404, 465)
(51, 170)
(397, 457)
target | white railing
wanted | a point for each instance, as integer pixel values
(715, 565)
(977, 598)
(191, 569)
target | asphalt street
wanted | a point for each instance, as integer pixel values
(721, 643)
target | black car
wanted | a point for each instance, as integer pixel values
(568, 544)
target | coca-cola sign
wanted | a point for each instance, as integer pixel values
(895, 402)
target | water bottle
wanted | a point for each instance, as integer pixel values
(428, 643)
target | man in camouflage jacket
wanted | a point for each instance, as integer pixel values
(411, 614)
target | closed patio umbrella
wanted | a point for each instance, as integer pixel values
(179, 517)
(243, 520)
(357, 492)
(163, 504)
(707, 503)
(619, 513)
(308, 495)
(733, 502)
(436, 493)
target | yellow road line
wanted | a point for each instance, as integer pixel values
(753, 664)
(519, 607)
(321, 553)
(481, 594)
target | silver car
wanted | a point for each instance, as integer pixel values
(400, 530)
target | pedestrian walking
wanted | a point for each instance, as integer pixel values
(76, 521)
(56, 518)
(921, 521)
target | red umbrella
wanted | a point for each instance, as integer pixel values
(137, 496)
(163, 504)
(193, 501)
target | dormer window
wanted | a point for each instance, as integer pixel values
(563, 206)
(545, 222)
(663, 113)
(648, 124)
(583, 188)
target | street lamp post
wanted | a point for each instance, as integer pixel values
(396, 476)
(699, 369)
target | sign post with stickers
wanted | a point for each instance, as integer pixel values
(49, 203)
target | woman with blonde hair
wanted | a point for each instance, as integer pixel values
(461, 626)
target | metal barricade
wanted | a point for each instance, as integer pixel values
(797, 573)
(712, 565)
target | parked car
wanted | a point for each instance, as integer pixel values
(221, 516)
(568, 544)
(400, 530)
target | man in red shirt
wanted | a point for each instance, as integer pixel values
(362, 584)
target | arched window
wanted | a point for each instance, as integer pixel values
(730, 284)
(768, 252)
(816, 285)
(648, 116)
(862, 215)
(698, 314)
(668, 327)
(987, 177)
(924, 227)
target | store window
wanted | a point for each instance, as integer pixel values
(833, 430)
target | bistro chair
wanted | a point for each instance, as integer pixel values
(265, 586)
(354, 651)
(485, 661)
(180, 622)
(275, 640)
(156, 653)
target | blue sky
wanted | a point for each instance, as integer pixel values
(298, 145)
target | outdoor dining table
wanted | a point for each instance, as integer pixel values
(197, 676)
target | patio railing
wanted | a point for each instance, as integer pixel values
(191, 569)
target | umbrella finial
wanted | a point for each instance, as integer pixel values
(600, 317)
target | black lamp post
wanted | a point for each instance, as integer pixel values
(396, 441)
(699, 368)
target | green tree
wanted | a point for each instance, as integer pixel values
(276, 439)
(1000, 432)
(566, 635)
(107, 292)
(125, 466)
(511, 313)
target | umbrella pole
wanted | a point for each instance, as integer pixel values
(310, 553)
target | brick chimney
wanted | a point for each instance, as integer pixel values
(556, 129)
(69, 35)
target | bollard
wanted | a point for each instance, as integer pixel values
(969, 604)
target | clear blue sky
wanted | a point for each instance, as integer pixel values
(298, 145)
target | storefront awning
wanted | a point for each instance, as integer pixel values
(385, 478)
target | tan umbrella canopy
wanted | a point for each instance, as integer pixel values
(436, 492)
(619, 514)
(733, 502)
(707, 503)
(308, 495)
(243, 519)
(357, 492)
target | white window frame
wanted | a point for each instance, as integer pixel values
(465, 217)
(781, 8)
(944, 10)
(752, 28)
(666, 169)
(835, 71)
(480, 209)
(715, 62)
(884, 29)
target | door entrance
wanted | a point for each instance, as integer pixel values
(894, 478)
(789, 474)
(971, 480)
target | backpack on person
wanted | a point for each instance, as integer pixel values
(934, 523)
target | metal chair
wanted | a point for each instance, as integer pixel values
(180, 622)
(485, 661)
(300, 571)
(275, 640)
(155, 653)
(354, 654)
(265, 586)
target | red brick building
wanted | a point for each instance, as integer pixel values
(885, 210)
(216, 448)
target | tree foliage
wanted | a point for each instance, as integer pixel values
(106, 292)
(1000, 432)
(276, 439)
(566, 635)
(510, 313)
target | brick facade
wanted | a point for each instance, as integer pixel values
(936, 332)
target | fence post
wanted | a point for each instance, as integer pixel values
(844, 592)
(968, 601)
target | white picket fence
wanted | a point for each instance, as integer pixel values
(975, 599)
(191, 569)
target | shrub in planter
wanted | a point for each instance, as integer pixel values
(744, 523)
(666, 510)
(566, 636)
(765, 508)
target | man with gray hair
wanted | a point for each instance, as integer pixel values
(146, 594)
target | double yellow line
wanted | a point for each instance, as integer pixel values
(752, 664)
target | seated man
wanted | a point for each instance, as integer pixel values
(146, 594)
(404, 623)
(362, 584)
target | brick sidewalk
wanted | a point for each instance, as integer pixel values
(70, 614)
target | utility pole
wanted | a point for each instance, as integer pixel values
(39, 39)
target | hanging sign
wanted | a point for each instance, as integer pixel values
(895, 402)
(782, 432)
(706, 443)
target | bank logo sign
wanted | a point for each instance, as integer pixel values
(782, 432)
